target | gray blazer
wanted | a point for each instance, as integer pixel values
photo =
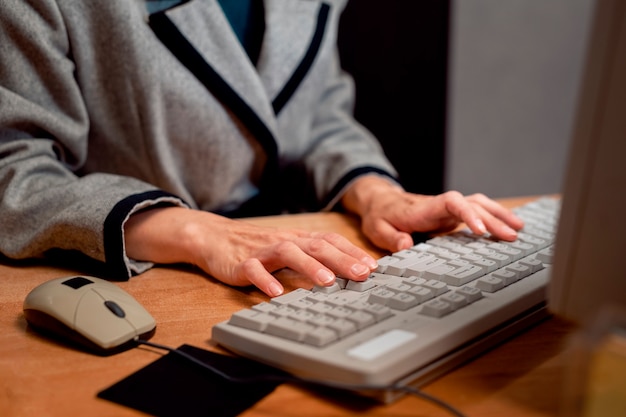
(106, 110)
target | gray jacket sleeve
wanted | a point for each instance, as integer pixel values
(44, 201)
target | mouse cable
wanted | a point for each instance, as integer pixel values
(294, 379)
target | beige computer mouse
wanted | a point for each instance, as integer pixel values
(95, 313)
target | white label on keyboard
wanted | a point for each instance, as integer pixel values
(381, 345)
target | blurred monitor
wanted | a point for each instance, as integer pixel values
(589, 271)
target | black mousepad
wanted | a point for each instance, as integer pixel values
(173, 386)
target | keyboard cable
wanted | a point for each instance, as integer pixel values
(294, 379)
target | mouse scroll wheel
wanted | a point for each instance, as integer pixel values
(115, 309)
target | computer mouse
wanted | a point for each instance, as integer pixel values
(94, 313)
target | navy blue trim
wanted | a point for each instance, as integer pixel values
(176, 42)
(154, 6)
(305, 65)
(352, 175)
(113, 232)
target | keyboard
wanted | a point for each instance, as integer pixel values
(423, 312)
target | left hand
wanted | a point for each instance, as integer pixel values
(389, 214)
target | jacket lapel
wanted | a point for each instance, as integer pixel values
(214, 40)
(298, 26)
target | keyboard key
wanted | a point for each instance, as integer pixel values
(378, 311)
(418, 269)
(463, 275)
(522, 271)
(303, 315)
(438, 272)
(381, 295)
(343, 327)
(546, 255)
(500, 259)
(414, 281)
(489, 283)
(361, 319)
(290, 297)
(288, 328)
(327, 290)
(264, 307)
(534, 264)
(282, 311)
(470, 293)
(526, 248)
(488, 265)
(320, 320)
(398, 268)
(436, 308)
(398, 287)
(250, 319)
(508, 277)
(537, 242)
(437, 287)
(402, 301)
(320, 336)
(455, 300)
(320, 308)
(360, 286)
(302, 303)
(384, 262)
(421, 293)
(339, 312)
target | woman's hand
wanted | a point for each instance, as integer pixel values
(239, 253)
(389, 214)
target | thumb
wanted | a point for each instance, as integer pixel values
(385, 236)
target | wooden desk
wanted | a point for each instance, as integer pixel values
(41, 378)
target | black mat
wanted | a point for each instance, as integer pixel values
(174, 386)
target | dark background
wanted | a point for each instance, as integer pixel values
(397, 53)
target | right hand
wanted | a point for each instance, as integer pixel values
(239, 253)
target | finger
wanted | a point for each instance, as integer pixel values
(253, 271)
(497, 210)
(301, 255)
(495, 226)
(344, 245)
(386, 236)
(338, 254)
(457, 205)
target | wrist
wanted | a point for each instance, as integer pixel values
(160, 235)
(361, 193)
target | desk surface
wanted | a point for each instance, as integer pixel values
(38, 377)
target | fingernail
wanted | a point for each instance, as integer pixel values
(360, 269)
(371, 262)
(325, 277)
(510, 231)
(481, 226)
(275, 289)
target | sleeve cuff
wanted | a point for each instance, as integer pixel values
(120, 266)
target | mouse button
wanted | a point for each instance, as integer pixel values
(115, 308)
(142, 321)
(136, 314)
(97, 323)
(113, 292)
(138, 317)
